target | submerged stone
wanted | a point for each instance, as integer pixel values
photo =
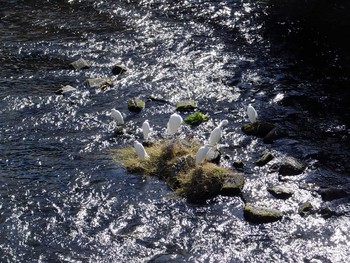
(265, 158)
(136, 105)
(258, 128)
(281, 191)
(119, 69)
(186, 105)
(80, 64)
(332, 193)
(260, 215)
(233, 184)
(291, 166)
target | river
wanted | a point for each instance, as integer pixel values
(64, 199)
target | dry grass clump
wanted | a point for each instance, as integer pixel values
(174, 163)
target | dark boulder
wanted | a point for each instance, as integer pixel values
(291, 166)
(233, 183)
(264, 159)
(119, 69)
(258, 128)
(136, 105)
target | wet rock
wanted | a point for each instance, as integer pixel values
(233, 184)
(80, 64)
(265, 158)
(280, 191)
(186, 105)
(306, 209)
(275, 134)
(136, 105)
(258, 128)
(99, 83)
(260, 215)
(65, 89)
(326, 212)
(119, 130)
(291, 166)
(119, 69)
(329, 194)
(238, 164)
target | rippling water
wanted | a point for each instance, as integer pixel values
(63, 199)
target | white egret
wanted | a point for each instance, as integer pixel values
(252, 114)
(215, 135)
(146, 129)
(174, 123)
(117, 116)
(140, 151)
(201, 154)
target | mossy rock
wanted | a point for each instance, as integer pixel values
(306, 209)
(281, 191)
(261, 215)
(186, 105)
(264, 159)
(80, 64)
(202, 183)
(136, 105)
(258, 128)
(183, 164)
(233, 183)
(196, 118)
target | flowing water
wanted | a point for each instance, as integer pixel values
(63, 198)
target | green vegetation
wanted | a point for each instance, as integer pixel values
(196, 118)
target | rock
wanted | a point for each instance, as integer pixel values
(264, 159)
(306, 209)
(119, 69)
(136, 105)
(186, 105)
(331, 193)
(65, 89)
(259, 215)
(233, 184)
(326, 212)
(258, 128)
(280, 191)
(291, 166)
(80, 64)
(203, 185)
(238, 164)
(99, 83)
(274, 134)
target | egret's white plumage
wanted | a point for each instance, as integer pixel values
(117, 116)
(252, 114)
(174, 123)
(140, 151)
(146, 129)
(215, 135)
(201, 154)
